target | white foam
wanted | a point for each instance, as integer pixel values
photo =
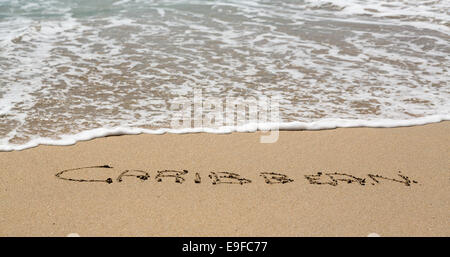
(250, 127)
(428, 14)
(337, 63)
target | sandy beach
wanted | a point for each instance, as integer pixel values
(338, 182)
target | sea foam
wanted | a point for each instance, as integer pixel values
(75, 70)
(251, 127)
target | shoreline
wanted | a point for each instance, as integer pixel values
(325, 124)
(308, 183)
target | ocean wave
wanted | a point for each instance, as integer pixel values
(72, 66)
(251, 127)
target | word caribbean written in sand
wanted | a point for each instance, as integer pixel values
(93, 174)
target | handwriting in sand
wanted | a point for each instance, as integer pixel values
(84, 174)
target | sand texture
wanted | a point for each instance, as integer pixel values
(339, 182)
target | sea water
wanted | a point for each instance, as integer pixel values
(77, 69)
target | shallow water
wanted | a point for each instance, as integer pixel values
(99, 67)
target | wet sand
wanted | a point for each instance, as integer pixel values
(339, 182)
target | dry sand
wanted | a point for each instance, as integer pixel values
(34, 202)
